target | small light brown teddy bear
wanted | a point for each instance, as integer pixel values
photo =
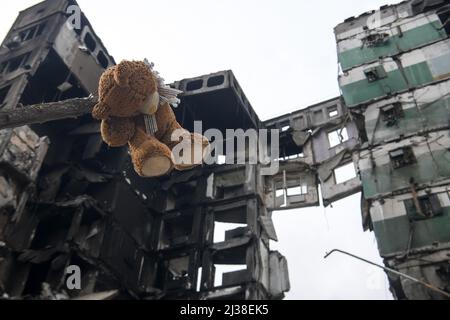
(131, 94)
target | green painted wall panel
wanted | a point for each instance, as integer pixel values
(409, 40)
(420, 36)
(393, 234)
(437, 113)
(432, 116)
(418, 74)
(363, 91)
(359, 56)
(386, 179)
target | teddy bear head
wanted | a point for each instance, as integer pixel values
(127, 90)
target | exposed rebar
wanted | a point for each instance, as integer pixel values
(387, 269)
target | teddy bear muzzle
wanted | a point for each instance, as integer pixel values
(151, 104)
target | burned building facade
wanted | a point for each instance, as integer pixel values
(66, 199)
(69, 200)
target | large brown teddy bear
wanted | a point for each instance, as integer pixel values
(130, 94)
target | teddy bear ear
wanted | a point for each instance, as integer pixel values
(122, 73)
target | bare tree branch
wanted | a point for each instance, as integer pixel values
(46, 112)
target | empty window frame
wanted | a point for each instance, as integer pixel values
(178, 267)
(224, 230)
(3, 66)
(221, 159)
(28, 34)
(374, 74)
(216, 81)
(344, 173)
(376, 39)
(199, 286)
(40, 29)
(444, 15)
(230, 265)
(15, 63)
(333, 112)
(279, 193)
(337, 137)
(402, 157)
(229, 275)
(230, 223)
(285, 126)
(3, 94)
(391, 114)
(426, 207)
(176, 231)
(297, 191)
(194, 85)
(177, 273)
(90, 42)
(102, 59)
(32, 32)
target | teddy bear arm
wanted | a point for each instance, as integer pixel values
(117, 132)
(100, 111)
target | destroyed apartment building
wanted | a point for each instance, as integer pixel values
(67, 199)
(396, 78)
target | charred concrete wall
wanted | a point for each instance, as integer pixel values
(61, 222)
(67, 199)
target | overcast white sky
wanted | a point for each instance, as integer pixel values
(284, 56)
